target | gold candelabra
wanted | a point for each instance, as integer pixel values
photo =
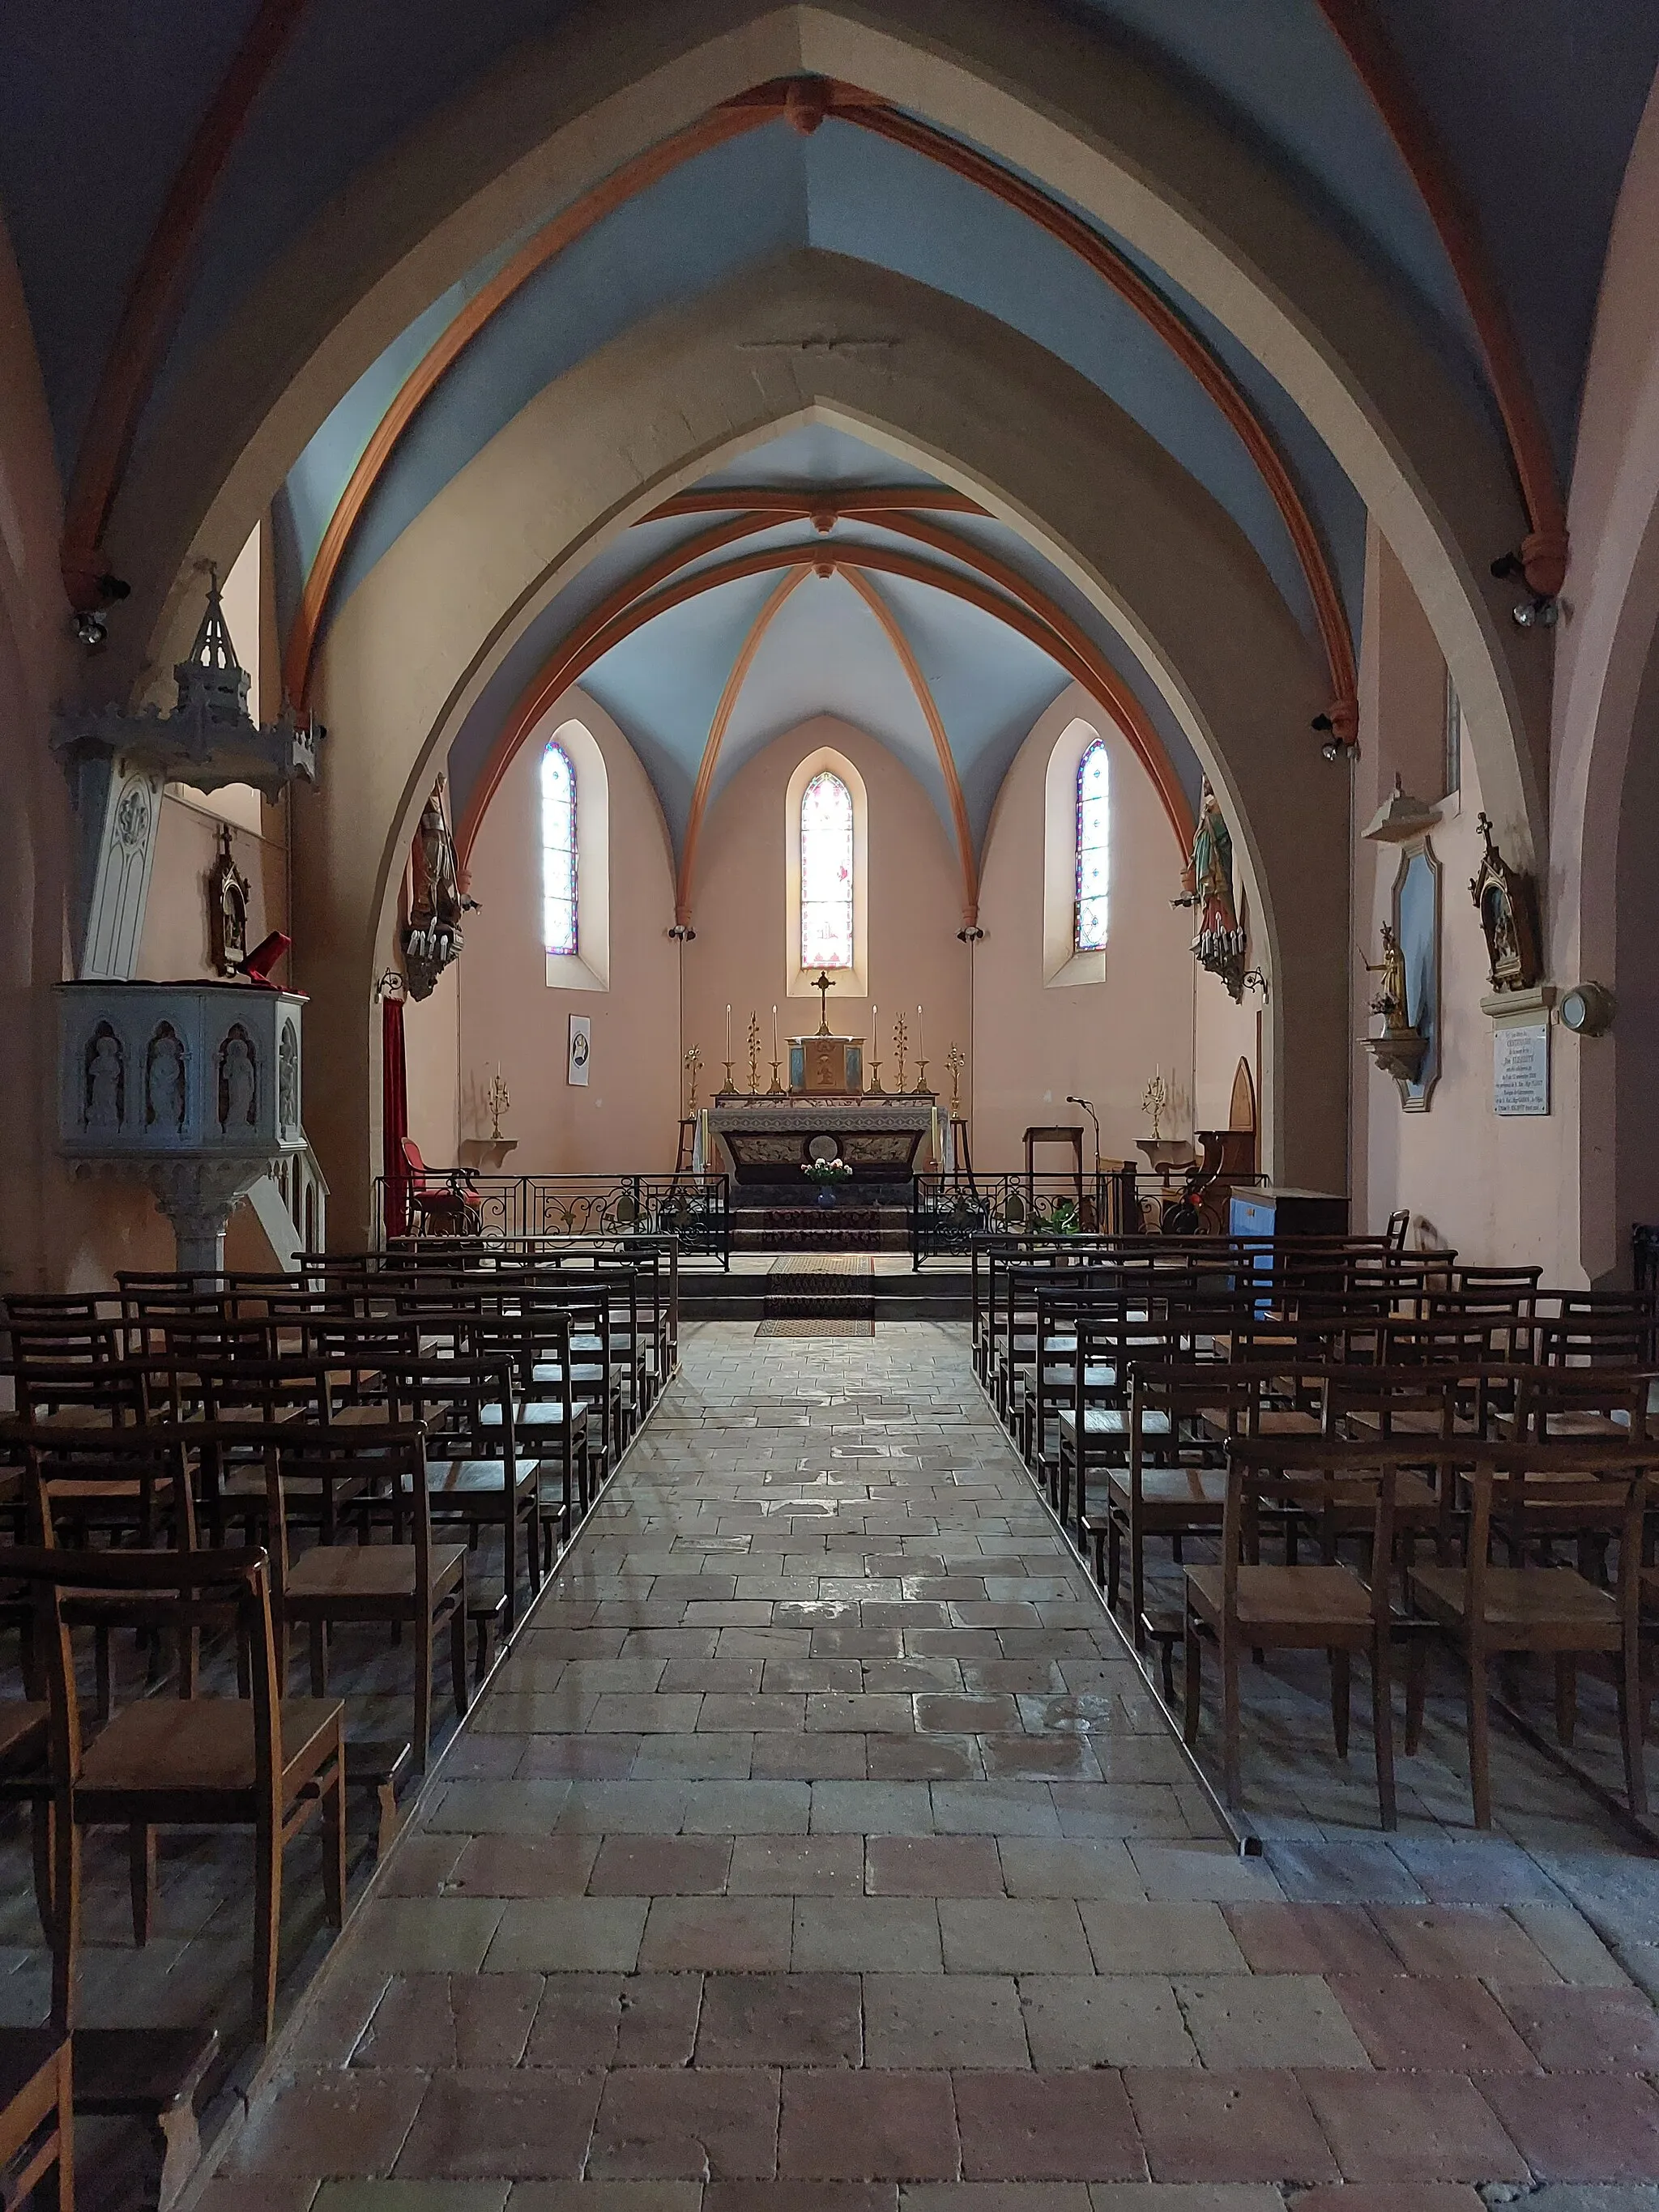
(1156, 1103)
(693, 1062)
(754, 1054)
(498, 1101)
(956, 1060)
(901, 1039)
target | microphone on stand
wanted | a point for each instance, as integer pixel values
(1089, 1110)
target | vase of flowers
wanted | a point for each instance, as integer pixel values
(825, 1174)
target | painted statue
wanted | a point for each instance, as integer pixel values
(1220, 942)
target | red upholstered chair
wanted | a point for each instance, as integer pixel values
(442, 1201)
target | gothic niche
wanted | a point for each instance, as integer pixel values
(1507, 903)
(104, 1088)
(432, 936)
(238, 1080)
(164, 1081)
(227, 898)
(287, 1078)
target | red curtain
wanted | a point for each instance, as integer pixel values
(394, 1116)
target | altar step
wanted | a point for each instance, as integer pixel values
(940, 1292)
(862, 1220)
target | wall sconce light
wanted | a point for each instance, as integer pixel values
(681, 932)
(971, 935)
(391, 985)
(1335, 746)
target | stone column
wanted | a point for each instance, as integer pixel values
(198, 1197)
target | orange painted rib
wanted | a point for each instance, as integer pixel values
(609, 626)
(947, 762)
(1379, 70)
(573, 223)
(1188, 347)
(156, 300)
(717, 728)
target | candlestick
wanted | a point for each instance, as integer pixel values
(776, 1091)
(728, 1036)
(921, 1047)
(774, 1037)
(693, 1062)
(921, 1078)
(731, 1081)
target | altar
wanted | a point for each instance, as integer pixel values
(770, 1137)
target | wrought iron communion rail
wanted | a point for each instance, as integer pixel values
(948, 1209)
(694, 1208)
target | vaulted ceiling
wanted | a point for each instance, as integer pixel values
(158, 164)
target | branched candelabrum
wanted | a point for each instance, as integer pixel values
(956, 1060)
(1156, 1103)
(754, 1054)
(693, 1062)
(498, 1101)
(901, 1039)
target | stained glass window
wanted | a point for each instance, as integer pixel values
(1094, 841)
(558, 851)
(826, 874)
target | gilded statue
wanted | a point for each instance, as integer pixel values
(1390, 999)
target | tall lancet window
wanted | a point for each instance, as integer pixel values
(1094, 846)
(558, 851)
(826, 874)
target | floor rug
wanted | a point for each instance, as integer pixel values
(823, 1325)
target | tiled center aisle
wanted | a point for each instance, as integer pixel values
(817, 1847)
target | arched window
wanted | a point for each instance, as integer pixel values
(826, 873)
(1094, 841)
(558, 851)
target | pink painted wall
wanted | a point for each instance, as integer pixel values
(739, 904)
(1034, 1043)
(1490, 1188)
(627, 1116)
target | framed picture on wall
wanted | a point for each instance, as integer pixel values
(580, 1046)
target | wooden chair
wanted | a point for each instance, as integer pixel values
(1488, 1610)
(442, 1202)
(418, 1584)
(263, 1762)
(36, 2119)
(1248, 1606)
(1172, 1483)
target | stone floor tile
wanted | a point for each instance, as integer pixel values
(516, 2123)
(1267, 2020)
(782, 2019)
(593, 2020)
(866, 1935)
(594, 1758)
(1396, 2197)
(1197, 2197)
(1310, 1939)
(1571, 1944)
(636, 1809)
(1415, 2127)
(1104, 2020)
(748, 1808)
(995, 2196)
(815, 1758)
(237, 2194)
(1457, 2025)
(1486, 1872)
(314, 2125)
(922, 1758)
(693, 2125)
(735, 1935)
(421, 1866)
(933, 1866)
(1581, 2127)
(428, 1934)
(606, 2196)
(569, 1934)
(864, 1715)
(1579, 2031)
(1032, 1866)
(942, 2020)
(868, 2127)
(1012, 1936)
(435, 2021)
(1160, 1939)
(408, 2197)
(701, 1758)
(1048, 2127)
(523, 1866)
(1255, 2125)
(1345, 1873)
(797, 1866)
(862, 1808)
(994, 1809)
(660, 1866)
(1215, 1872)
(1460, 1939)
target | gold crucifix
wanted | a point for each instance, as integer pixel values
(824, 983)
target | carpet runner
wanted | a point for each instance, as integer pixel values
(819, 1294)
